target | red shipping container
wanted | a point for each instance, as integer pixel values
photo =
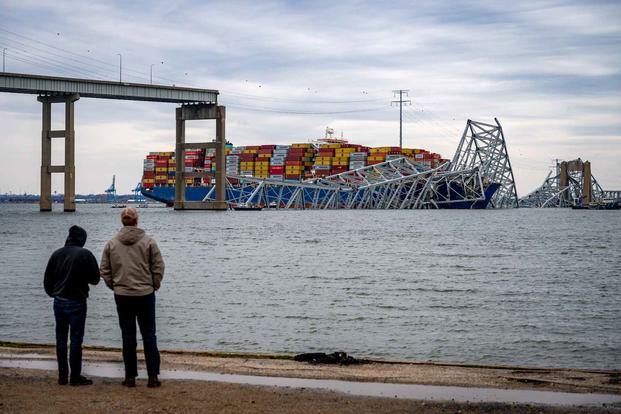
(147, 185)
(152, 157)
(288, 162)
(292, 176)
(271, 147)
(148, 174)
(276, 169)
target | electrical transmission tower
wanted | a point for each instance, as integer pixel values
(401, 92)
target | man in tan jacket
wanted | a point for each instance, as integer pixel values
(132, 266)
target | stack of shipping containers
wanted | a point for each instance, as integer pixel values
(294, 162)
(262, 163)
(193, 161)
(232, 161)
(277, 162)
(323, 161)
(357, 160)
(148, 173)
(299, 162)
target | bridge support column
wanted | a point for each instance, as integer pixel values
(197, 112)
(45, 201)
(563, 184)
(587, 185)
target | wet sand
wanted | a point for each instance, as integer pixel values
(28, 390)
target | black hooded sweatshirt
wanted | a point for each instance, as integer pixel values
(71, 268)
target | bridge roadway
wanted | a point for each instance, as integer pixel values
(50, 86)
(195, 104)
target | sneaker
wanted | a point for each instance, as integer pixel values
(62, 381)
(154, 382)
(129, 382)
(80, 381)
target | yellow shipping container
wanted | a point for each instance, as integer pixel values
(250, 151)
(171, 181)
(161, 177)
(148, 181)
(161, 169)
(321, 162)
(301, 145)
(265, 156)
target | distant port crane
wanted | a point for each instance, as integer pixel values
(111, 191)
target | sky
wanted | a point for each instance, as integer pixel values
(548, 70)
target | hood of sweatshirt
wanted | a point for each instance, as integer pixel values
(76, 237)
(129, 235)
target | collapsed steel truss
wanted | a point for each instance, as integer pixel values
(483, 145)
(481, 159)
(551, 194)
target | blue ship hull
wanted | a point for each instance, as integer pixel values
(167, 195)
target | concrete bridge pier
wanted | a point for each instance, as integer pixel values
(45, 202)
(197, 112)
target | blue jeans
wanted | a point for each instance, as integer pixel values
(70, 317)
(141, 308)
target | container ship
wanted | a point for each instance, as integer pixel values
(296, 162)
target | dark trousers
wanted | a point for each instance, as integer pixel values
(141, 308)
(70, 317)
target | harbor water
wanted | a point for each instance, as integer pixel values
(520, 287)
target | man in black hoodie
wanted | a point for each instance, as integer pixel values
(67, 276)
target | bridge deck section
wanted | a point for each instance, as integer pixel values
(86, 88)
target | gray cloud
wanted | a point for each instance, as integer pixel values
(549, 70)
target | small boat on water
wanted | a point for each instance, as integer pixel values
(247, 207)
(118, 205)
(606, 205)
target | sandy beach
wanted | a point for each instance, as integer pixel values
(35, 390)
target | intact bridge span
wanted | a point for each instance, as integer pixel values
(194, 104)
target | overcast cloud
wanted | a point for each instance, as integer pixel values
(548, 70)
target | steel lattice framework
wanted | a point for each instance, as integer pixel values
(483, 145)
(551, 194)
(396, 184)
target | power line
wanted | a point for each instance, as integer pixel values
(401, 102)
(45, 59)
(286, 111)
